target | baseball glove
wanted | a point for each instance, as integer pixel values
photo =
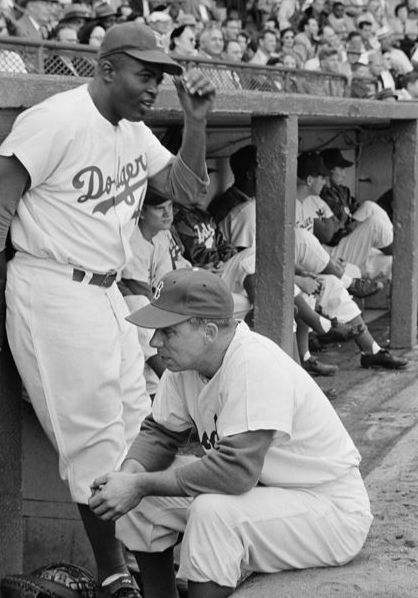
(58, 580)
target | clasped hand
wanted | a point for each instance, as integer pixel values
(196, 93)
(114, 494)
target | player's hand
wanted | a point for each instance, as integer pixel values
(196, 93)
(310, 285)
(114, 494)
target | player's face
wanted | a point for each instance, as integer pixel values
(133, 89)
(159, 217)
(181, 347)
(315, 184)
(337, 175)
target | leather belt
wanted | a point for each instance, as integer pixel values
(99, 280)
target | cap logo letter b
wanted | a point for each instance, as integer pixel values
(158, 290)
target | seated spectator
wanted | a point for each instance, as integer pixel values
(400, 61)
(351, 233)
(161, 24)
(409, 90)
(318, 12)
(233, 51)
(231, 28)
(211, 43)
(375, 14)
(244, 39)
(369, 40)
(380, 67)
(96, 36)
(10, 61)
(306, 42)
(183, 42)
(266, 48)
(204, 11)
(405, 30)
(104, 15)
(39, 19)
(287, 38)
(75, 15)
(363, 84)
(341, 23)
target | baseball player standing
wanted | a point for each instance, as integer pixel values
(279, 486)
(74, 172)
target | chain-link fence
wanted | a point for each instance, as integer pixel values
(18, 55)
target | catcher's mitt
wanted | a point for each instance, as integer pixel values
(59, 580)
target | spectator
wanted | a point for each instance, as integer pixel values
(233, 51)
(161, 24)
(380, 68)
(10, 61)
(287, 38)
(405, 30)
(363, 85)
(75, 15)
(230, 28)
(104, 15)
(369, 40)
(318, 12)
(96, 36)
(183, 42)
(211, 43)
(39, 19)
(306, 42)
(400, 61)
(409, 90)
(243, 38)
(266, 49)
(341, 23)
(329, 61)
(123, 12)
(354, 49)
(64, 64)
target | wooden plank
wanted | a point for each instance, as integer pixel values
(276, 140)
(405, 220)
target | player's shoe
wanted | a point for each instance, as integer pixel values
(364, 287)
(340, 332)
(124, 586)
(316, 368)
(382, 359)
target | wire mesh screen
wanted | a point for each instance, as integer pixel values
(18, 55)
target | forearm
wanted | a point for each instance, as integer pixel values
(193, 147)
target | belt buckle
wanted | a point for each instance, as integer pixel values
(108, 278)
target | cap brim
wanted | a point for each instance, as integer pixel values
(156, 57)
(151, 316)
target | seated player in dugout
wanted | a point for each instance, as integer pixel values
(279, 485)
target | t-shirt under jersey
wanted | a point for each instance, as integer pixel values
(310, 208)
(88, 178)
(258, 386)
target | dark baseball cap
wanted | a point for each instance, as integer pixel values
(311, 164)
(332, 157)
(137, 40)
(155, 198)
(184, 294)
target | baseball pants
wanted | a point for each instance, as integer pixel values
(81, 364)
(375, 231)
(267, 529)
(334, 301)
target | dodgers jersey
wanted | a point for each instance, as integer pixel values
(88, 179)
(258, 386)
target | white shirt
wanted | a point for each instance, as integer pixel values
(238, 226)
(310, 208)
(259, 387)
(88, 180)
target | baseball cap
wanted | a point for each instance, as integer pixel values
(184, 294)
(311, 164)
(75, 11)
(332, 157)
(104, 10)
(137, 40)
(155, 198)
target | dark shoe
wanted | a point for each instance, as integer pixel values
(382, 359)
(340, 332)
(123, 587)
(364, 287)
(315, 367)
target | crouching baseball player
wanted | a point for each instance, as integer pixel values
(279, 485)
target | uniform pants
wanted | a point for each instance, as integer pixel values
(267, 529)
(81, 364)
(374, 231)
(334, 301)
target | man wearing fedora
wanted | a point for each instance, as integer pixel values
(74, 173)
(278, 486)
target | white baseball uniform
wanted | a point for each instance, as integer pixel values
(374, 232)
(238, 226)
(79, 360)
(310, 507)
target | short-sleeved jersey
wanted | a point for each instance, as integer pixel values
(237, 269)
(309, 209)
(258, 386)
(238, 226)
(88, 178)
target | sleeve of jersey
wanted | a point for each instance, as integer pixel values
(258, 392)
(233, 468)
(155, 446)
(243, 227)
(34, 129)
(169, 408)
(170, 174)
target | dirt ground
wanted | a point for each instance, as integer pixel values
(380, 410)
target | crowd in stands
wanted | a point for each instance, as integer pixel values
(372, 44)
